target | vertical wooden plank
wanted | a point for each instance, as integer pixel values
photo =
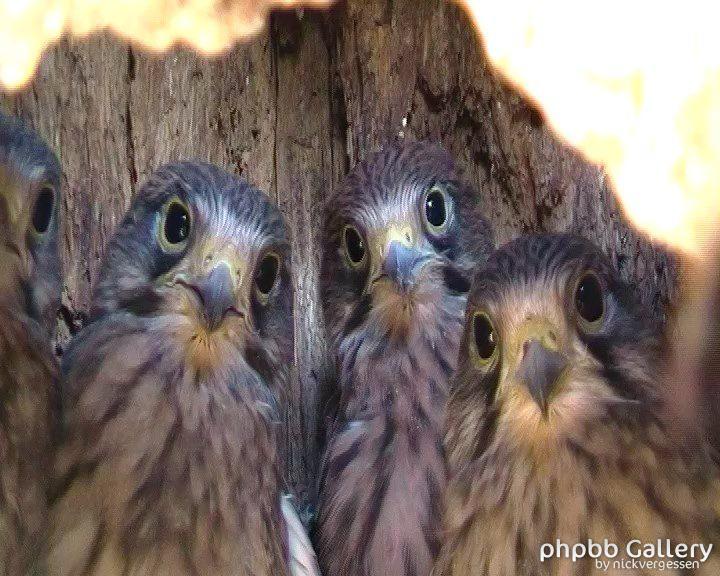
(220, 110)
(307, 164)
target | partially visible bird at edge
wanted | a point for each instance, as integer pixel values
(30, 283)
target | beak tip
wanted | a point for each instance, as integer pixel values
(217, 292)
(540, 370)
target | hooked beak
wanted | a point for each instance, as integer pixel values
(216, 292)
(540, 370)
(401, 264)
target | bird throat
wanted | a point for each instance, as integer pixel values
(397, 312)
(390, 429)
(411, 338)
(400, 312)
(208, 350)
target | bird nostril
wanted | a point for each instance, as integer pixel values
(526, 345)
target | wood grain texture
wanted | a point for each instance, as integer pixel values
(292, 111)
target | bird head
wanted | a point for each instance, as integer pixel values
(402, 234)
(29, 227)
(207, 256)
(554, 344)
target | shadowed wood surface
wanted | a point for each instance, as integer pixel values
(292, 111)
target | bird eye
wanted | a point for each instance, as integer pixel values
(176, 224)
(43, 210)
(485, 337)
(436, 210)
(354, 245)
(267, 273)
(589, 299)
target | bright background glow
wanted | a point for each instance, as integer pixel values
(636, 86)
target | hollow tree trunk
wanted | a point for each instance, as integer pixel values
(292, 111)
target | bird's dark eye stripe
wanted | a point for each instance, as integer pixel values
(43, 210)
(589, 298)
(267, 273)
(177, 223)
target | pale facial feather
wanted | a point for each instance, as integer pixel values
(582, 393)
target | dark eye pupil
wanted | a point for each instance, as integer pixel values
(267, 274)
(435, 208)
(42, 213)
(485, 337)
(177, 223)
(355, 245)
(589, 299)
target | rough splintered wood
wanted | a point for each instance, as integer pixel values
(292, 111)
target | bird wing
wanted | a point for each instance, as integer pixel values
(302, 555)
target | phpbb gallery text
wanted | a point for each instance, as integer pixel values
(634, 555)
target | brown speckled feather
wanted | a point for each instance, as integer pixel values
(27, 416)
(165, 471)
(600, 463)
(384, 467)
(29, 298)
(170, 464)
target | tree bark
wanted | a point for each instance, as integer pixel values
(292, 111)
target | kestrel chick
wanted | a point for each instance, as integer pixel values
(29, 298)
(556, 428)
(401, 237)
(170, 463)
